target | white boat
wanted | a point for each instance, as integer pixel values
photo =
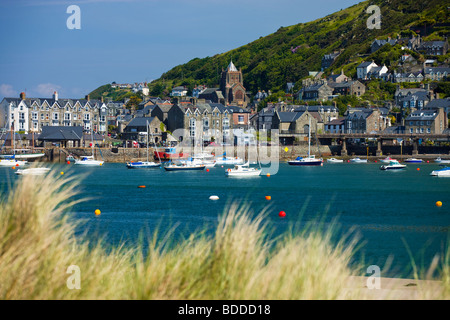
(33, 171)
(242, 170)
(184, 166)
(23, 156)
(310, 160)
(413, 160)
(444, 172)
(228, 161)
(439, 160)
(143, 164)
(205, 158)
(90, 160)
(12, 162)
(334, 160)
(358, 160)
(393, 165)
(386, 160)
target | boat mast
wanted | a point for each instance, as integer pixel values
(147, 139)
(309, 137)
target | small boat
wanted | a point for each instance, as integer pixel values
(393, 165)
(23, 156)
(310, 160)
(307, 161)
(70, 158)
(184, 166)
(89, 161)
(439, 160)
(33, 171)
(142, 164)
(358, 160)
(169, 154)
(413, 160)
(12, 162)
(334, 160)
(386, 160)
(228, 161)
(444, 172)
(242, 170)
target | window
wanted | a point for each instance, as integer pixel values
(192, 127)
(34, 116)
(55, 116)
(102, 118)
(42, 116)
(21, 116)
(206, 123)
(67, 116)
(240, 119)
(87, 116)
(411, 130)
(428, 130)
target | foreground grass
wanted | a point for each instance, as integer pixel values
(37, 246)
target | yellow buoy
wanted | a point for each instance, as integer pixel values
(62, 173)
(268, 175)
(97, 212)
(439, 204)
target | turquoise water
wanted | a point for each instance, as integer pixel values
(391, 212)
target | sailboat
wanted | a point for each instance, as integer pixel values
(143, 164)
(10, 160)
(90, 160)
(310, 160)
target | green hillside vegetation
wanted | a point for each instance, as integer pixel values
(268, 63)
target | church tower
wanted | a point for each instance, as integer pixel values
(232, 86)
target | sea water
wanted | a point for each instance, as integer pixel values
(393, 214)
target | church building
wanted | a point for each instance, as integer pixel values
(232, 86)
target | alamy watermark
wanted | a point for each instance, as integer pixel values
(374, 21)
(374, 280)
(74, 20)
(74, 281)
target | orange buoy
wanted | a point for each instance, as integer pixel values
(97, 212)
(17, 164)
(207, 170)
(68, 162)
(282, 214)
(268, 175)
(439, 204)
(268, 197)
(141, 186)
(418, 169)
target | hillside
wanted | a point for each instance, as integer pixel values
(291, 52)
(269, 63)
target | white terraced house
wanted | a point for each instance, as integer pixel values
(32, 114)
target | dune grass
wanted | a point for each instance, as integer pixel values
(38, 245)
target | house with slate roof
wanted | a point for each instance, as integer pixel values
(436, 73)
(319, 91)
(137, 129)
(365, 120)
(431, 121)
(434, 48)
(32, 114)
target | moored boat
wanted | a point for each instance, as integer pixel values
(12, 162)
(413, 160)
(184, 166)
(89, 161)
(358, 160)
(334, 160)
(439, 160)
(242, 170)
(386, 160)
(393, 165)
(32, 171)
(444, 172)
(307, 161)
(142, 164)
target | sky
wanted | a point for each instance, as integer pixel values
(129, 41)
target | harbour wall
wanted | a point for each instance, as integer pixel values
(283, 153)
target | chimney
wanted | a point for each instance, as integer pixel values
(87, 97)
(22, 95)
(55, 96)
(101, 99)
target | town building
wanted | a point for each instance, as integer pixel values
(232, 86)
(32, 114)
(431, 121)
